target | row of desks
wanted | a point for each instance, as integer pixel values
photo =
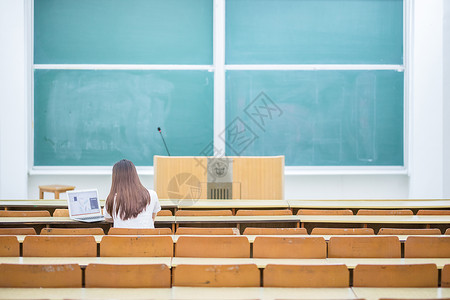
(240, 222)
(251, 238)
(256, 204)
(225, 293)
(182, 220)
(351, 263)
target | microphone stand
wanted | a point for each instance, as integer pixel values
(167, 149)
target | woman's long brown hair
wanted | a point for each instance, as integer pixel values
(131, 197)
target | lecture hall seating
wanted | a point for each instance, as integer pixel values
(9, 246)
(127, 276)
(364, 247)
(64, 246)
(305, 276)
(289, 247)
(245, 275)
(214, 246)
(61, 212)
(342, 231)
(137, 246)
(18, 231)
(165, 212)
(263, 212)
(427, 246)
(72, 231)
(274, 231)
(409, 231)
(417, 275)
(385, 212)
(431, 212)
(24, 213)
(139, 231)
(40, 276)
(324, 212)
(445, 276)
(193, 213)
(206, 231)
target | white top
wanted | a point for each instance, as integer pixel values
(144, 219)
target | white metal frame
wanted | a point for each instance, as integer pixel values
(219, 68)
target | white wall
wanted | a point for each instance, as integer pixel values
(426, 161)
(446, 110)
(429, 167)
(13, 103)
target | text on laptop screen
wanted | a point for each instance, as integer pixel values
(83, 203)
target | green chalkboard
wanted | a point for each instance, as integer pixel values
(123, 31)
(94, 118)
(316, 118)
(314, 32)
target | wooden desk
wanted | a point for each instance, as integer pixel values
(177, 293)
(251, 238)
(375, 222)
(67, 221)
(349, 262)
(40, 222)
(237, 221)
(401, 293)
(352, 262)
(259, 262)
(84, 261)
(53, 204)
(233, 204)
(402, 238)
(98, 238)
(85, 293)
(370, 204)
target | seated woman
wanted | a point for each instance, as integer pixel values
(129, 204)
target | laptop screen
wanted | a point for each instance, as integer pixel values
(83, 202)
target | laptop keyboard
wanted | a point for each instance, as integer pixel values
(92, 218)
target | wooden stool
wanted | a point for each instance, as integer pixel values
(54, 188)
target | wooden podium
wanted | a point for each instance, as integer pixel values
(186, 177)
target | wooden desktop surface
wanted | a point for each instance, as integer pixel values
(222, 204)
(236, 219)
(257, 204)
(224, 293)
(375, 204)
(178, 293)
(398, 219)
(63, 203)
(84, 261)
(66, 221)
(349, 262)
(401, 293)
(260, 262)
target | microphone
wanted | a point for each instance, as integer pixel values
(159, 130)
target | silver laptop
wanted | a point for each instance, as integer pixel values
(84, 206)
